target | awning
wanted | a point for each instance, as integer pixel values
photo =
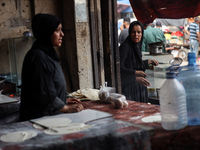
(172, 22)
(123, 6)
(123, 2)
(129, 9)
(148, 10)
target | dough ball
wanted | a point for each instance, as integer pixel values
(118, 103)
(103, 95)
(125, 104)
(110, 99)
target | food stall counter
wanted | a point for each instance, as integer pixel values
(105, 133)
(128, 128)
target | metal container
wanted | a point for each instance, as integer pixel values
(155, 48)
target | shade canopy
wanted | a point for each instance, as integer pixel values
(172, 22)
(123, 2)
(147, 11)
(124, 6)
(127, 10)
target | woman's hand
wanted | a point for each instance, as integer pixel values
(153, 62)
(143, 81)
(73, 101)
(72, 108)
(140, 74)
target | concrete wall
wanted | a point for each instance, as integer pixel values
(15, 20)
(83, 45)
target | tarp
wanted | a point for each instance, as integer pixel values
(129, 9)
(147, 11)
(123, 2)
(172, 22)
(124, 6)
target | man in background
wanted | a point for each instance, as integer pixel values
(124, 32)
(126, 23)
(159, 25)
(152, 35)
(186, 33)
(194, 35)
(152, 25)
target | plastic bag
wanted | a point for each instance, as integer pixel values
(104, 92)
(108, 95)
(118, 100)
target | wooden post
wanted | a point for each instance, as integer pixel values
(96, 42)
(110, 43)
(70, 60)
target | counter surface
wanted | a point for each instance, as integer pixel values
(105, 133)
(160, 139)
(124, 131)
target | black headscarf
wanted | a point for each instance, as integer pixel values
(43, 26)
(138, 46)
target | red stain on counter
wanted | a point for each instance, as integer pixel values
(12, 147)
(72, 136)
(134, 109)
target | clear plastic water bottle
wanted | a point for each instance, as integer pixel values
(189, 77)
(173, 103)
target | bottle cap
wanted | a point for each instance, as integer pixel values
(170, 73)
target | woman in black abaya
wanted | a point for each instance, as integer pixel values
(43, 83)
(134, 84)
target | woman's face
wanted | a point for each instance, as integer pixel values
(136, 33)
(56, 38)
